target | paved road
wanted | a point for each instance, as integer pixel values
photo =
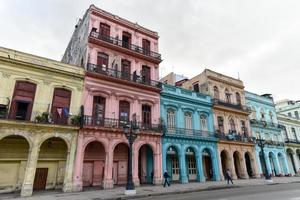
(265, 192)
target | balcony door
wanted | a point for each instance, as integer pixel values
(146, 115)
(125, 70)
(104, 30)
(102, 63)
(124, 112)
(146, 77)
(98, 110)
(22, 101)
(126, 40)
(61, 105)
(146, 46)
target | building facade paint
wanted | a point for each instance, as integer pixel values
(38, 139)
(264, 125)
(122, 64)
(189, 145)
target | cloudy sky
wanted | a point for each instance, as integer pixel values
(257, 39)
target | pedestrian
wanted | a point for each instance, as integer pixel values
(166, 177)
(152, 174)
(228, 176)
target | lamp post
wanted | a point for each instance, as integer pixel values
(131, 131)
(261, 144)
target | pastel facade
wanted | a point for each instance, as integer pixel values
(189, 142)
(121, 63)
(264, 125)
(236, 149)
(288, 118)
(39, 111)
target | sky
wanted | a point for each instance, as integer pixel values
(257, 41)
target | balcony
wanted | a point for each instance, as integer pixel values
(118, 124)
(231, 105)
(129, 48)
(264, 124)
(132, 78)
(274, 143)
(294, 141)
(188, 133)
(233, 136)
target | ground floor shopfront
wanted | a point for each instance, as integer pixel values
(189, 160)
(293, 157)
(102, 158)
(239, 158)
(274, 160)
(36, 156)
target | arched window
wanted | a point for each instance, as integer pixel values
(238, 98)
(253, 113)
(297, 114)
(188, 121)
(216, 92)
(232, 125)
(294, 133)
(221, 124)
(271, 117)
(227, 95)
(262, 113)
(171, 118)
(203, 122)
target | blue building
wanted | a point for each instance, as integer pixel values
(264, 125)
(189, 144)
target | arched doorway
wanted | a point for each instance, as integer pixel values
(51, 165)
(291, 161)
(93, 164)
(146, 164)
(248, 164)
(225, 161)
(207, 164)
(173, 163)
(120, 164)
(282, 163)
(13, 159)
(272, 163)
(191, 164)
(237, 164)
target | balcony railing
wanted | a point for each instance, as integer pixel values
(123, 75)
(274, 143)
(118, 124)
(123, 44)
(296, 141)
(189, 133)
(235, 137)
(231, 105)
(264, 124)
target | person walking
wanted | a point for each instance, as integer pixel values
(228, 176)
(166, 177)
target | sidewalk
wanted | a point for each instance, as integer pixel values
(144, 191)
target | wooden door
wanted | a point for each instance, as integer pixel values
(40, 179)
(146, 75)
(175, 168)
(99, 110)
(102, 63)
(122, 172)
(146, 115)
(87, 173)
(115, 172)
(61, 105)
(124, 112)
(126, 38)
(125, 70)
(104, 30)
(146, 46)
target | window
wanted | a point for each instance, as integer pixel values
(61, 105)
(253, 113)
(228, 96)
(220, 124)
(297, 114)
(290, 114)
(271, 116)
(171, 118)
(262, 113)
(188, 121)
(146, 75)
(238, 98)
(146, 115)
(124, 112)
(196, 87)
(98, 110)
(126, 40)
(232, 125)
(146, 46)
(102, 62)
(22, 101)
(203, 122)
(294, 133)
(104, 30)
(125, 70)
(216, 92)
(243, 128)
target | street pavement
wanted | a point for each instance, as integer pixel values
(245, 187)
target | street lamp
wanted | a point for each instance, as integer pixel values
(261, 143)
(131, 131)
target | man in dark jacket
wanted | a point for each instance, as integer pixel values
(166, 177)
(228, 176)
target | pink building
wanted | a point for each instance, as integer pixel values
(121, 62)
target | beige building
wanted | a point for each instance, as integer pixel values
(39, 120)
(231, 120)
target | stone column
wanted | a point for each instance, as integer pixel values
(216, 170)
(278, 169)
(268, 164)
(157, 176)
(68, 181)
(183, 175)
(244, 168)
(200, 175)
(231, 164)
(107, 180)
(220, 166)
(135, 166)
(27, 186)
(77, 178)
(296, 162)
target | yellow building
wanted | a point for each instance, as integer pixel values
(39, 121)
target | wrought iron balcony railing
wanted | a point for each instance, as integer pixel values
(296, 141)
(190, 133)
(274, 143)
(233, 136)
(123, 75)
(231, 105)
(118, 124)
(123, 44)
(264, 124)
